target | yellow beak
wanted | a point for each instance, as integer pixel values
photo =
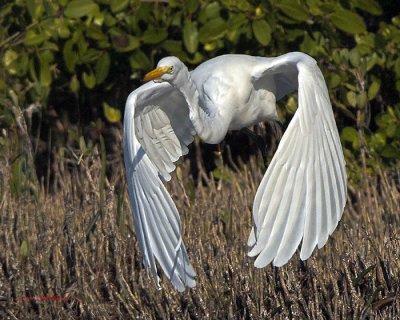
(155, 74)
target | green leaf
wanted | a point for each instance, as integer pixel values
(81, 8)
(291, 105)
(154, 36)
(90, 55)
(213, 30)
(397, 67)
(355, 57)
(191, 5)
(33, 39)
(372, 60)
(334, 80)
(384, 120)
(370, 6)
(125, 43)
(89, 80)
(308, 44)
(393, 130)
(190, 36)
(210, 46)
(390, 152)
(344, 55)
(82, 44)
(51, 8)
(351, 98)
(21, 65)
(294, 34)
(70, 56)
(262, 31)
(45, 73)
(9, 57)
(95, 32)
(74, 84)
(361, 100)
(373, 89)
(35, 8)
(350, 86)
(24, 249)
(237, 21)
(32, 70)
(139, 60)
(113, 115)
(348, 21)
(211, 11)
(99, 17)
(118, 5)
(350, 134)
(173, 46)
(196, 59)
(110, 20)
(378, 141)
(293, 10)
(63, 31)
(102, 67)
(235, 26)
(176, 19)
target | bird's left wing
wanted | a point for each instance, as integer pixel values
(157, 130)
(303, 192)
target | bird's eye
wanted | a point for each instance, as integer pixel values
(171, 69)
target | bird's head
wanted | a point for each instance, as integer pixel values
(167, 69)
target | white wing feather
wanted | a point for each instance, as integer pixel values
(162, 125)
(152, 142)
(303, 192)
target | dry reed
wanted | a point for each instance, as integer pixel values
(71, 245)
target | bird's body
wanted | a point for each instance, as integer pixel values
(239, 108)
(303, 192)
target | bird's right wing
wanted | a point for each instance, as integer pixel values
(303, 193)
(157, 130)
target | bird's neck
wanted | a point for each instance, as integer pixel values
(201, 117)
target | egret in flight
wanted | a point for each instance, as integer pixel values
(302, 195)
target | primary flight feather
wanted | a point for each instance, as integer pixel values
(303, 192)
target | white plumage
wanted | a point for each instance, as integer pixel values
(301, 196)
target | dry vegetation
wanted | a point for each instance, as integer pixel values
(77, 243)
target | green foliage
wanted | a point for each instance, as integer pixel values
(262, 31)
(93, 53)
(348, 21)
(113, 115)
(385, 141)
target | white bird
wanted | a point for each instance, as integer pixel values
(303, 192)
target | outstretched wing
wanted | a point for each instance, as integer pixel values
(303, 193)
(157, 130)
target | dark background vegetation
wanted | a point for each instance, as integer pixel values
(67, 68)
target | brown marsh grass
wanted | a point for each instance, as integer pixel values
(77, 243)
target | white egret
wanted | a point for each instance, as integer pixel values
(303, 192)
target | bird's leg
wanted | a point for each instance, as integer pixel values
(260, 142)
(221, 165)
